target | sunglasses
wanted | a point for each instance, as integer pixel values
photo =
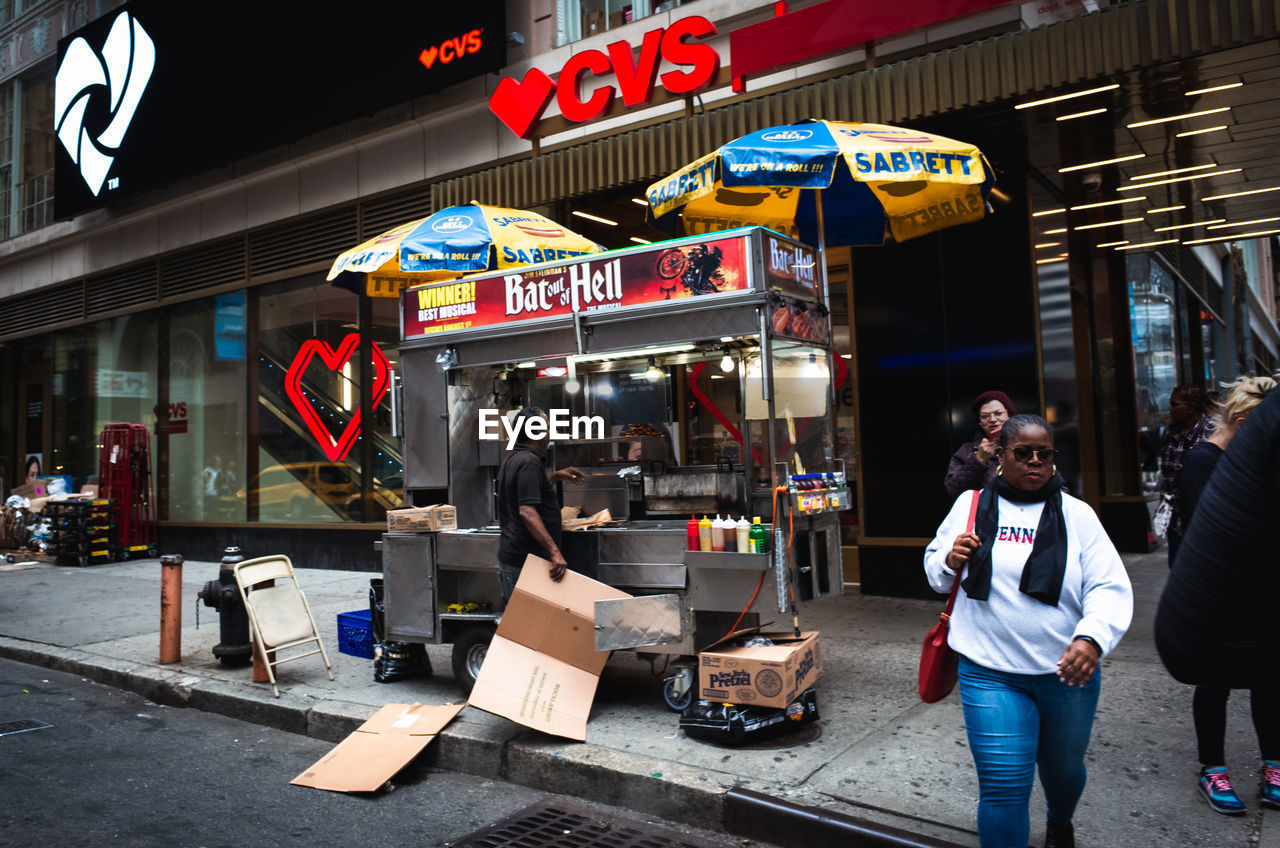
(1024, 454)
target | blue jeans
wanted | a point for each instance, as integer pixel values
(1014, 722)
(508, 575)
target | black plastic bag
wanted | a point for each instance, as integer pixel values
(392, 661)
(743, 724)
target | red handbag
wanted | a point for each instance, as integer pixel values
(937, 660)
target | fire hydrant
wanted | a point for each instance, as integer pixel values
(233, 622)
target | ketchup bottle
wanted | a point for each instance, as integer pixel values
(691, 531)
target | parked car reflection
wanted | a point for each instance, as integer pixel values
(317, 491)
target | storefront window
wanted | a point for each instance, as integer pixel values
(205, 433)
(576, 19)
(1153, 310)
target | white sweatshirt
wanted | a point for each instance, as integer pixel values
(1012, 631)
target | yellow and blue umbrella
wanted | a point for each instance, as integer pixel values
(454, 242)
(828, 181)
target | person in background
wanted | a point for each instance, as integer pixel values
(33, 469)
(974, 464)
(1209, 704)
(1045, 597)
(528, 508)
(1187, 423)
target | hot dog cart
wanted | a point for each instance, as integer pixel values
(685, 378)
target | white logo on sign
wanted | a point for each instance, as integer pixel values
(787, 135)
(452, 224)
(124, 66)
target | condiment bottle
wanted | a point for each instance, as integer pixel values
(691, 531)
(758, 538)
(717, 534)
(742, 529)
(704, 534)
(730, 537)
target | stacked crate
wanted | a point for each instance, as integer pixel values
(80, 531)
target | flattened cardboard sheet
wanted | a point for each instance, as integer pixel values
(379, 748)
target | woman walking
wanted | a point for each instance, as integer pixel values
(1209, 704)
(1045, 597)
(1187, 423)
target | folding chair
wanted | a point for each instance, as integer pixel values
(280, 615)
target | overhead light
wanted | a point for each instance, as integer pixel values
(639, 240)
(1243, 223)
(1043, 212)
(1200, 131)
(726, 362)
(1214, 88)
(1108, 203)
(597, 218)
(1107, 224)
(640, 200)
(653, 373)
(525, 364)
(1048, 244)
(1185, 226)
(1079, 114)
(604, 389)
(573, 387)
(1142, 186)
(1113, 243)
(1238, 194)
(1166, 209)
(1101, 163)
(1174, 171)
(627, 354)
(1146, 244)
(1055, 232)
(1178, 117)
(1051, 259)
(1084, 93)
(726, 338)
(717, 376)
(1235, 237)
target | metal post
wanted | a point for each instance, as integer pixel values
(171, 608)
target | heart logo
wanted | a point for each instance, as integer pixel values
(520, 105)
(335, 449)
(428, 56)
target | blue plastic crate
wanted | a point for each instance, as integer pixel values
(355, 634)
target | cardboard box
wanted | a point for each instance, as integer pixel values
(386, 743)
(593, 21)
(421, 519)
(542, 667)
(772, 676)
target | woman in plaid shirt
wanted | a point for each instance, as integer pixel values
(1187, 422)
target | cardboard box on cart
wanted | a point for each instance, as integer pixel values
(771, 676)
(423, 518)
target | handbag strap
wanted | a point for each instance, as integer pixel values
(955, 584)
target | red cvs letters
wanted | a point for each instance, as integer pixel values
(520, 105)
(452, 48)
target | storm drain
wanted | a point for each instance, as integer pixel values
(557, 824)
(21, 725)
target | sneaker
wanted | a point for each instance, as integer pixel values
(1271, 783)
(1216, 786)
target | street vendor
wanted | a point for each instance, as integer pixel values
(528, 508)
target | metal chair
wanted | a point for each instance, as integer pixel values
(279, 614)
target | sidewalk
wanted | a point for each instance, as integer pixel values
(882, 755)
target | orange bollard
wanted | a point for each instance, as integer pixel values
(171, 608)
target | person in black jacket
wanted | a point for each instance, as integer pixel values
(1209, 705)
(974, 464)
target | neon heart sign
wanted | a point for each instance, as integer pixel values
(335, 449)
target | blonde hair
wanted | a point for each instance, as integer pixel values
(1246, 393)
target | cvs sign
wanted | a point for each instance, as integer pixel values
(520, 105)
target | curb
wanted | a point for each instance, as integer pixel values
(506, 752)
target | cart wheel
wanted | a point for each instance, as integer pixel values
(469, 651)
(677, 690)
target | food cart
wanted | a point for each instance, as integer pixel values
(689, 377)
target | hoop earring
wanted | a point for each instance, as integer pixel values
(1055, 469)
(999, 470)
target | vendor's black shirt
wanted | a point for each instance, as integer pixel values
(522, 480)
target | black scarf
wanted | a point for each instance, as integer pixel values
(1046, 566)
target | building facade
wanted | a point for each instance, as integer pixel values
(189, 294)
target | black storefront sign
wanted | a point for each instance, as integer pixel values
(155, 91)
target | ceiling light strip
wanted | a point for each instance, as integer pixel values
(1059, 97)
(1174, 171)
(1165, 209)
(1108, 223)
(1146, 244)
(1235, 237)
(1177, 117)
(1055, 232)
(1141, 186)
(1113, 243)
(1048, 244)
(1214, 88)
(1101, 163)
(1238, 194)
(1083, 114)
(591, 217)
(1185, 226)
(1200, 131)
(1044, 212)
(1243, 223)
(1051, 259)
(1109, 203)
